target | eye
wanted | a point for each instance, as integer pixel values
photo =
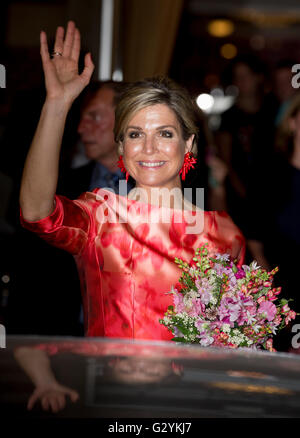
(166, 133)
(97, 117)
(134, 134)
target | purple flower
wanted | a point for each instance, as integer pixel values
(240, 274)
(178, 303)
(197, 308)
(229, 310)
(205, 297)
(268, 310)
(206, 340)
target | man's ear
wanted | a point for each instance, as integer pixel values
(189, 144)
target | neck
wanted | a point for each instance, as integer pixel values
(110, 161)
(166, 196)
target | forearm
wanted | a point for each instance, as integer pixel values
(256, 249)
(36, 365)
(40, 172)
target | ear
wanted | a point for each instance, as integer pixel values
(120, 148)
(189, 144)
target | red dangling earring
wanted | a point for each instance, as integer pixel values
(189, 161)
(122, 167)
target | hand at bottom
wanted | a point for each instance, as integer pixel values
(52, 396)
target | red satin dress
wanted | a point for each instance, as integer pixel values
(125, 251)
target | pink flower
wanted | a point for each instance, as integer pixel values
(178, 302)
(291, 315)
(285, 308)
(261, 299)
(269, 345)
(268, 309)
(277, 320)
(271, 295)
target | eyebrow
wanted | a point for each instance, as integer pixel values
(138, 128)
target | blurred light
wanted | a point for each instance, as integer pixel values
(205, 102)
(214, 122)
(217, 92)
(232, 90)
(267, 389)
(220, 28)
(214, 104)
(117, 75)
(228, 51)
(5, 278)
(222, 103)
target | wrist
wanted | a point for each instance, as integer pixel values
(57, 104)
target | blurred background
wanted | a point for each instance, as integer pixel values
(237, 58)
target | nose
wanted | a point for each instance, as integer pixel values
(149, 144)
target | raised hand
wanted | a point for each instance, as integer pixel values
(63, 81)
(52, 396)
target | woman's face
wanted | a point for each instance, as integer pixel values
(153, 147)
(141, 370)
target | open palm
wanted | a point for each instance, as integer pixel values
(62, 78)
(52, 396)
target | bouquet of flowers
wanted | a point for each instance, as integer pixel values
(217, 303)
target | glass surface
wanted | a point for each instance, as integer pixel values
(132, 379)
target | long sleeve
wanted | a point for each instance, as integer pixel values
(67, 227)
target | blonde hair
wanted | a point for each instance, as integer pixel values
(153, 91)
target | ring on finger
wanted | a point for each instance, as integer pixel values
(56, 53)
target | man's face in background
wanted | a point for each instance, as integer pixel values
(96, 125)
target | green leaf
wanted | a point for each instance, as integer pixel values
(180, 340)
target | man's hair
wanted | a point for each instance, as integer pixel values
(95, 86)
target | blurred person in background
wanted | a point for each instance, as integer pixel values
(283, 88)
(210, 171)
(236, 137)
(95, 130)
(274, 235)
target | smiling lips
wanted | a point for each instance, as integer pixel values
(151, 164)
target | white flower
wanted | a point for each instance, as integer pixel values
(213, 300)
(250, 318)
(207, 340)
(193, 271)
(189, 297)
(226, 328)
(273, 327)
(254, 266)
(223, 257)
